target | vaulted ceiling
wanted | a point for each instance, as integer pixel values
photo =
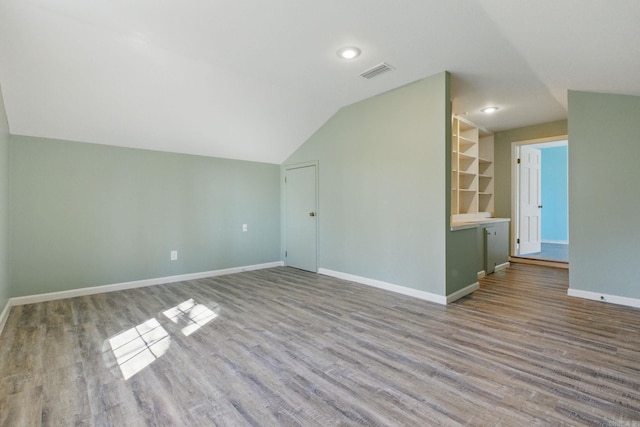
(253, 79)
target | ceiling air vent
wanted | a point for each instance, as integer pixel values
(376, 71)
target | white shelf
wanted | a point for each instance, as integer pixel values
(471, 168)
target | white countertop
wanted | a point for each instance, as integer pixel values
(467, 223)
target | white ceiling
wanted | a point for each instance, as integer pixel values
(253, 79)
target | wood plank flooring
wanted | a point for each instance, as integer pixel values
(282, 347)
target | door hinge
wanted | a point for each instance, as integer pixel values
(518, 241)
(285, 254)
(285, 179)
(518, 161)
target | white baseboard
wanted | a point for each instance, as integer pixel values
(612, 299)
(462, 292)
(557, 242)
(427, 296)
(502, 266)
(4, 315)
(51, 296)
(498, 267)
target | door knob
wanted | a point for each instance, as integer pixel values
(312, 214)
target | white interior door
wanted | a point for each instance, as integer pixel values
(301, 218)
(529, 209)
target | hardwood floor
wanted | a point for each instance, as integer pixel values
(286, 347)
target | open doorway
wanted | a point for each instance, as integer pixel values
(540, 219)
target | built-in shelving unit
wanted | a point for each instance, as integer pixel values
(471, 168)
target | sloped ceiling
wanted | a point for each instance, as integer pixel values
(253, 79)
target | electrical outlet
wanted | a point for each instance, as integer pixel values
(174, 255)
(245, 228)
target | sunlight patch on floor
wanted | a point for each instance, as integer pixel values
(138, 347)
(191, 316)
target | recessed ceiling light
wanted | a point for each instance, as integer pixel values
(349, 52)
(489, 110)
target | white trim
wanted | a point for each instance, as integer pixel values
(556, 242)
(427, 296)
(4, 315)
(462, 292)
(51, 296)
(498, 267)
(613, 299)
(502, 266)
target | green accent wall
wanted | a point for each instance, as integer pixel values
(85, 215)
(465, 251)
(604, 132)
(383, 210)
(4, 206)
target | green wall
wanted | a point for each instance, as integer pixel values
(382, 195)
(604, 133)
(85, 215)
(465, 258)
(502, 158)
(4, 203)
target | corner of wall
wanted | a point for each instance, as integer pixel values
(4, 206)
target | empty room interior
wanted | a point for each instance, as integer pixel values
(319, 213)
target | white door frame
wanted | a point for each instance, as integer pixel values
(284, 170)
(515, 145)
